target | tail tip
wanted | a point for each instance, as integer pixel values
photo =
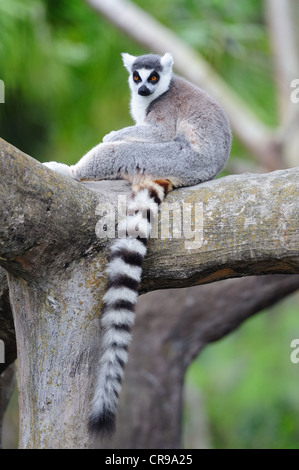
(103, 424)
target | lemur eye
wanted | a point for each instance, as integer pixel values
(154, 77)
(136, 77)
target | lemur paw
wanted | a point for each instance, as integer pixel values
(59, 168)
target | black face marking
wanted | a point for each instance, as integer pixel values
(154, 77)
(136, 77)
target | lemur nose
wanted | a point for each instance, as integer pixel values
(144, 91)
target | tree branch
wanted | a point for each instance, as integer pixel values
(49, 221)
(253, 233)
(147, 31)
(41, 213)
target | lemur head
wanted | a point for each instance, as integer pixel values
(150, 75)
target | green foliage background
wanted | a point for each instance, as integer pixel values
(65, 88)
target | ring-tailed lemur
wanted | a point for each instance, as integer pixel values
(181, 138)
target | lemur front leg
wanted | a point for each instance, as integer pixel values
(88, 166)
(61, 168)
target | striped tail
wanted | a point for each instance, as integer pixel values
(118, 314)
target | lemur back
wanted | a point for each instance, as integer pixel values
(182, 137)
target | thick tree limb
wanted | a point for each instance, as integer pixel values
(250, 225)
(54, 260)
(147, 31)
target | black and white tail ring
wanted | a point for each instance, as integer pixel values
(118, 313)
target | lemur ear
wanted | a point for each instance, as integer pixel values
(167, 62)
(128, 61)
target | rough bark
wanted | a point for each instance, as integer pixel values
(54, 260)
